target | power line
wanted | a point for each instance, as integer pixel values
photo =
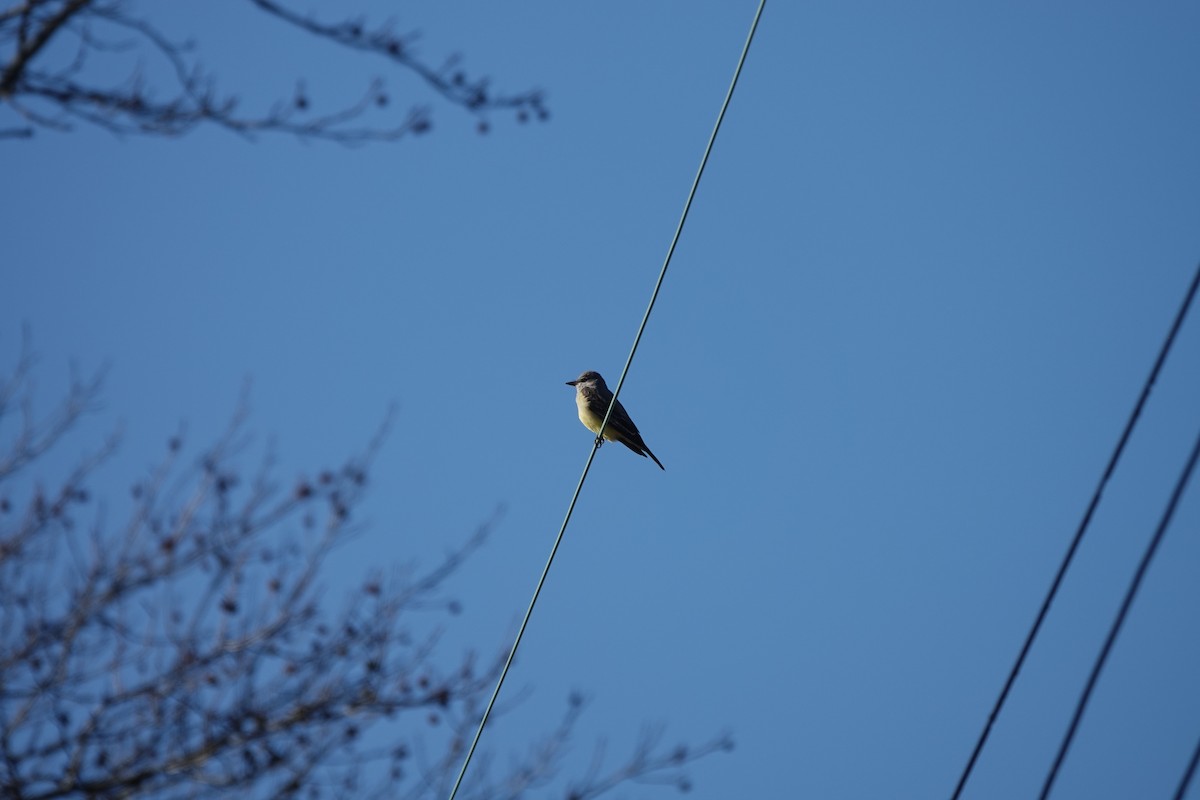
(616, 391)
(1188, 773)
(1079, 532)
(1130, 593)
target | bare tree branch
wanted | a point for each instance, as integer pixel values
(190, 652)
(35, 436)
(51, 95)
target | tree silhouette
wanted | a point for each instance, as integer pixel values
(189, 652)
(57, 56)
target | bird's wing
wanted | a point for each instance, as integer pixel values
(621, 418)
(598, 400)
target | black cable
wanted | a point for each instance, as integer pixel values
(1083, 526)
(1130, 593)
(1188, 773)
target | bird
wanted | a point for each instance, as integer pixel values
(593, 398)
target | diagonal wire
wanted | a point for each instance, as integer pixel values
(1188, 773)
(1130, 594)
(683, 217)
(1079, 532)
(599, 436)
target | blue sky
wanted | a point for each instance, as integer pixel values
(929, 267)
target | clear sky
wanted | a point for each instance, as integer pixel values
(929, 268)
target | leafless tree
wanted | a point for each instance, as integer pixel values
(55, 54)
(190, 652)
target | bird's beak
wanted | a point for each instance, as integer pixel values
(572, 383)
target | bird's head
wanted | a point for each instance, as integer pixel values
(587, 377)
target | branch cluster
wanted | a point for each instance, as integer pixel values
(52, 53)
(188, 651)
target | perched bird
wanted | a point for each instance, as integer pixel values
(593, 399)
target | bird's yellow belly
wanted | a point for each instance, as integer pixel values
(590, 421)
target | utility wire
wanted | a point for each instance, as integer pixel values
(1188, 773)
(1130, 593)
(1079, 532)
(616, 391)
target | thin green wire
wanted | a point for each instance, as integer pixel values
(599, 436)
